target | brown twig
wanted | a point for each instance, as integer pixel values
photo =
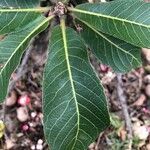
(123, 103)
(98, 141)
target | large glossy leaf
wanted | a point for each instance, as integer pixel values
(12, 48)
(121, 56)
(16, 14)
(75, 108)
(126, 20)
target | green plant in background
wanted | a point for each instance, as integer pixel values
(74, 105)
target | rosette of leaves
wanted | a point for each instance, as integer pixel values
(74, 104)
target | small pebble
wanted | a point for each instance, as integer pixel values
(40, 141)
(92, 146)
(33, 114)
(148, 146)
(39, 147)
(22, 114)
(20, 135)
(33, 147)
(31, 124)
(40, 116)
(146, 53)
(147, 90)
(9, 144)
(10, 101)
(147, 79)
(141, 132)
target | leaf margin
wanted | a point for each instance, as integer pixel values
(2, 71)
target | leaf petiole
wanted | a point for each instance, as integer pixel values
(40, 9)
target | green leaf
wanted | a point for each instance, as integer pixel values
(75, 107)
(12, 21)
(129, 21)
(19, 3)
(121, 56)
(14, 15)
(12, 48)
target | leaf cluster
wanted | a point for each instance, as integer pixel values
(74, 104)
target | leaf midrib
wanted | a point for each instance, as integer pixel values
(103, 36)
(106, 16)
(63, 28)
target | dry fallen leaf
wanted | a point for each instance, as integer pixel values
(122, 133)
(140, 101)
(2, 128)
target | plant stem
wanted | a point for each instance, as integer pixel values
(123, 102)
(40, 9)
